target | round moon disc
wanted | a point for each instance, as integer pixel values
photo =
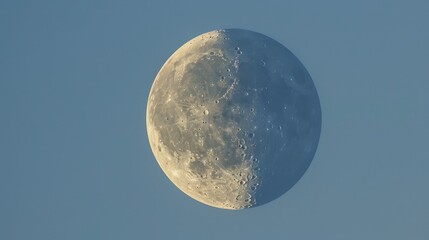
(233, 119)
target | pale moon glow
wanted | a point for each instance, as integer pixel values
(233, 119)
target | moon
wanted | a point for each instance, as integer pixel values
(233, 119)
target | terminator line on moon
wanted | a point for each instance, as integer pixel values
(233, 119)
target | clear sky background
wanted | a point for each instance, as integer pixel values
(75, 162)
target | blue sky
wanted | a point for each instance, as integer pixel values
(75, 162)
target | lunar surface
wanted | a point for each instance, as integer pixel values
(233, 119)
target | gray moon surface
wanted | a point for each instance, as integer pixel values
(233, 119)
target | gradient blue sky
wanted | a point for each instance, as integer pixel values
(75, 162)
